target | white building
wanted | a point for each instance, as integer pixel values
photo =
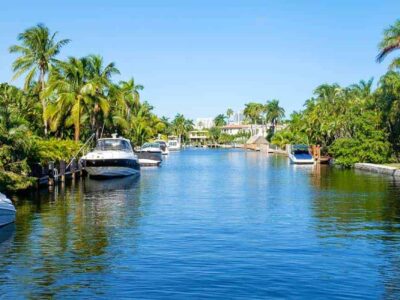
(203, 123)
(233, 129)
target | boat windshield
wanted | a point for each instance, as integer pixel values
(113, 145)
(300, 149)
(151, 145)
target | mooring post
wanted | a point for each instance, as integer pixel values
(51, 173)
(62, 170)
(73, 168)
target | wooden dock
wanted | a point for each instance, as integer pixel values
(52, 173)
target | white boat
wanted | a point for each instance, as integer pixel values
(174, 144)
(300, 154)
(112, 157)
(163, 146)
(150, 154)
(7, 211)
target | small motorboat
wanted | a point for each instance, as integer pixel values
(300, 154)
(112, 157)
(174, 144)
(150, 154)
(7, 211)
(163, 147)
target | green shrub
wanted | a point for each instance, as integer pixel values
(349, 151)
(54, 150)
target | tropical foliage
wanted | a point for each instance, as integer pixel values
(64, 102)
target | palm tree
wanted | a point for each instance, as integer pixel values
(181, 126)
(130, 92)
(274, 113)
(219, 120)
(37, 51)
(100, 77)
(389, 43)
(74, 94)
(83, 92)
(253, 111)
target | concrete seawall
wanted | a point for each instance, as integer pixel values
(381, 169)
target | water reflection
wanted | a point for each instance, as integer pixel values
(6, 236)
(209, 224)
(353, 206)
(69, 229)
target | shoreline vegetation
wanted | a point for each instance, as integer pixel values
(64, 102)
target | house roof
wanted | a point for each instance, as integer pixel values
(233, 126)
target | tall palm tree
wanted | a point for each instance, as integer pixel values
(253, 111)
(181, 126)
(100, 75)
(390, 43)
(130, 95)
(220, 120)
(37, 51)
(274, 113)
(74, 94)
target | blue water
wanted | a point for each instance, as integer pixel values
(220, 224)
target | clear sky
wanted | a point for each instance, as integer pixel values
(201, 57)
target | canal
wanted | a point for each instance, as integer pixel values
(224, 224)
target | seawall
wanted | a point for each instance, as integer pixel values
(381, 169)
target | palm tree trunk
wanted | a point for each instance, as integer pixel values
(78, 125)
(42, 87)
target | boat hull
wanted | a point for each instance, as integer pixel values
(7, 216)
(149, 158)
(301, 160)
(174, 148)
(112, 167)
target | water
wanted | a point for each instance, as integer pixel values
(209, 224)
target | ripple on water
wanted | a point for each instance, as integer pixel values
(209, 224)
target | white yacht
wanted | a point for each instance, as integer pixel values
(163, 146)
(150, 154)
(112, 157)
(174, 144)
(7, 211)
(300, 154)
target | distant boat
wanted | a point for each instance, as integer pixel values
(174, 144)
(163, 146)
(7, 211)
(300, 154)
(150, 154)
(112, 157)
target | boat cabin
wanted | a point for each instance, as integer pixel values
(113, 144)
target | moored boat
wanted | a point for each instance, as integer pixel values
(112, 157)
(163, 147)
(300, 154)
(150, 154)
(7, 211)
(173, 144)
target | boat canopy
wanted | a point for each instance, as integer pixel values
(113, 145)
(300, 149)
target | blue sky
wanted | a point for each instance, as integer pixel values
(201, 57)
